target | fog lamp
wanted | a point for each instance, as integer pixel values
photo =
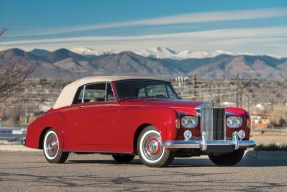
(187, 134)
(241, 134)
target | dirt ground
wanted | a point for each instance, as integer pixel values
(263, 137)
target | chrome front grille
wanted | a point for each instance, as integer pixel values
(212, 121)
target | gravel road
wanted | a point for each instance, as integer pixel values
(29, 171)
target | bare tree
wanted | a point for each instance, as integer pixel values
(2, 31)
(12, 76)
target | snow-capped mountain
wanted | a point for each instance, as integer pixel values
(220, 52)
(90, 51)
(160, 53)
(64, 64)
(85, 51)
(186, 54)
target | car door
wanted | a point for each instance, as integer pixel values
(96, 118)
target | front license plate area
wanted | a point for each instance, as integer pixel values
(220, 149)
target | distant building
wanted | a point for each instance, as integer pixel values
(260, 120)
(181, 78)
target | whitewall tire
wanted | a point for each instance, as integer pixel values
(52, 150)
(151, 150)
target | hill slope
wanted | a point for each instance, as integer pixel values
(64, 64)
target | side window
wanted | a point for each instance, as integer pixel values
(98, 92)
(110, 94)
(95, 92)
(79, 95)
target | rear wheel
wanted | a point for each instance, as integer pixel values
(123, 158)
(227, 159)
(151, 150)
(52, 150)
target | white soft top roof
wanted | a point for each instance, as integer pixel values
(67, 95)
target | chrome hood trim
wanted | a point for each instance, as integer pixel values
(203, 105)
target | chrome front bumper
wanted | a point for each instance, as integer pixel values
(203, 143)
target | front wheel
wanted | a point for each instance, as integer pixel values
(151, 150)
(227, 159)
(52, 150)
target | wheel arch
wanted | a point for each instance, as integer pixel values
(58, 132)
(41, 138)
(137, 134)
(150, 154)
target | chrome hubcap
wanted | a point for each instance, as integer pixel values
(52, 145)
(152, 146)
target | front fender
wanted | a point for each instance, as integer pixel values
(162, 118)
(132, 118)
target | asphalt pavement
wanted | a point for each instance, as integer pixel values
(29, 171)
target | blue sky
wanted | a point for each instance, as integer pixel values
(245, 26)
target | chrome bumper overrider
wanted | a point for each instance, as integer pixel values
(203, 143)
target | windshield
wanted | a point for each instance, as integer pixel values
(145, 89)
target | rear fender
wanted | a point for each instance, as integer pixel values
(37, 129)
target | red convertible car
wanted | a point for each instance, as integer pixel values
(128, 116)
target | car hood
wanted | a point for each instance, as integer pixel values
(185, 106)
(179, 105)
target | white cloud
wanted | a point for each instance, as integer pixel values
(267, 40)
(208, 35)
(199, 17)
(218, 16)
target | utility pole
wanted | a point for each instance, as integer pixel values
(241, 93)
(237, 94)
(1, 114)
(194, 87)
(200, 88)
(248, 102)
(218, 98)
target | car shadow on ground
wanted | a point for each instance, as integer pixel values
(203, 162)
(190, 162)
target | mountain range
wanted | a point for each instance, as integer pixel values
(66, 64)
(158, 52)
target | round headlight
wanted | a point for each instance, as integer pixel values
(234, 121)
(189, 121)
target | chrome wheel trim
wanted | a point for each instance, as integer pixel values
(151, 147)
(51, 145)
